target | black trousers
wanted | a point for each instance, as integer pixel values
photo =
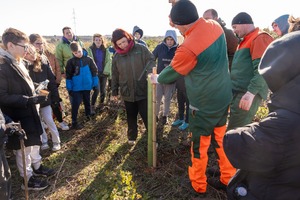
(132, 111)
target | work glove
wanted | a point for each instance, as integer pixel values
(11, 130)
(36, 99)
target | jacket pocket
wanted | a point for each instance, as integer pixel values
(124, 90)
(141, 88)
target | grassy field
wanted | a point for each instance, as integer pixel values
(97, 163)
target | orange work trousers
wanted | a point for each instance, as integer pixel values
(199, 158)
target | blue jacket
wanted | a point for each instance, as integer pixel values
(163, 54)
(81, 73)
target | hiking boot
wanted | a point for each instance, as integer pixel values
(213, 172)
(56, 146)
(64, 126)
(177, 122)
(216, 183)
(36, 184)
(43, 171)
(164, 120)
(44, 146)
(77, 126)
(93, 110)
(183, 126)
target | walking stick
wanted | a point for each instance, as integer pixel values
(23, 158)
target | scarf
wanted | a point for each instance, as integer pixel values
(20, 68)
(124, 51)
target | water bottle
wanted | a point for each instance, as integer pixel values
(241, 191)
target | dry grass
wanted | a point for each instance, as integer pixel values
(97, 163)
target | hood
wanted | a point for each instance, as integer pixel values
(280, 67)
(5, 55)
(282, 23)
(172, 34)
(137, 29)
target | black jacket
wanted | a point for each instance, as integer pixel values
(14, 93)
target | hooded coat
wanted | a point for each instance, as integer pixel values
(267, 153)
(282, 23)
(164, 54)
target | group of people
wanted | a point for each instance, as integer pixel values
(220, 79)
(256, 160)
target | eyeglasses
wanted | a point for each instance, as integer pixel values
(38, 43)
(24, 46)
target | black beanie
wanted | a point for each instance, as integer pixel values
(242, 18)
(184, 12)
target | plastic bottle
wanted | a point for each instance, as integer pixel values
(241, 191)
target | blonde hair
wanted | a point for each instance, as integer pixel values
(294, 24)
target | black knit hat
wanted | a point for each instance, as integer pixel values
(184, 12)
(242, 18)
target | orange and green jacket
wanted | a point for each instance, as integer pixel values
(202, 60)
(244, 69)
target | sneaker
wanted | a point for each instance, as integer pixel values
(43, 171)
(183, 126)
(216, 183)
(77, 126)
(44, 146)
(177, 122)
(93, 112)
(64, 126)
(36, 184)
(131, 142)
(56, 146)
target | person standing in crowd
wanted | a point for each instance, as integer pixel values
(102, 57)
(248, 86)
(19, 101)
(281, 25)
(164, 53)
(130, 66)
(5, 174)
(81, 78)
(267, 153)
(138, 34)
(62, 51)
(39, 71)
(208, 89)
(231, 39)
(40, 44)
(183, 105)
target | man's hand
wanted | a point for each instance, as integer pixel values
(36, 99)
(153, 78)
(246, 101)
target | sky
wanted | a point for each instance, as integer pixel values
(86, 17)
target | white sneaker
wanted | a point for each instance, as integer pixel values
(56, 147)
(64, 126)
(45, 146)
